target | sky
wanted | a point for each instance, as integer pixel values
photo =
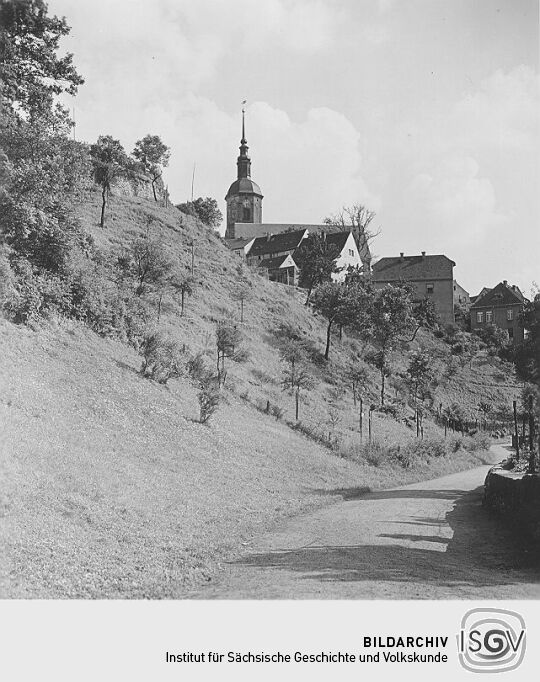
(425, 111)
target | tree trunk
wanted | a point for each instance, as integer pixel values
(104, 202)
(382, 387)
(297, 399)
(183, 296)
(154, 188)
(241, 310)
(328, 333)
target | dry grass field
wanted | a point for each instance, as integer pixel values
(109, 485)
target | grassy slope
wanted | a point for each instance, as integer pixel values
(110, 488)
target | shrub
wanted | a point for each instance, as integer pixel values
(209, 397)
(163, 359)
(276, 411)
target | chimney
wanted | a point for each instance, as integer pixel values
(268, 236)
(505, 282)
(423, 255)
(401, 257)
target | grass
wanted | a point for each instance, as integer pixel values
(110, 487)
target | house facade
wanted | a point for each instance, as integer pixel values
(432, 277)
(500, 306)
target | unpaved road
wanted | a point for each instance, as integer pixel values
(430, 540)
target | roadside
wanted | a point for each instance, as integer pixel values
(429, 540)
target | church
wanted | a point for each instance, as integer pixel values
(270, 247)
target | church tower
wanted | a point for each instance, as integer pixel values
(244, 198)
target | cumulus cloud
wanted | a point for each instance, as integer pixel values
(456, 200)
(503, 113)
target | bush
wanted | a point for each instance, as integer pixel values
(163, 359)
(209, 397)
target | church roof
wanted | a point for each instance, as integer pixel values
(244, 186)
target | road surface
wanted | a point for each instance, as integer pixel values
(430, 540)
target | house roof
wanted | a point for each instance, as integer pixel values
(502, 295)
(234, 244)
(338, 239)
(397, 268)
(275, 243)
(278, 262)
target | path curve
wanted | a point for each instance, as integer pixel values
(429, 540)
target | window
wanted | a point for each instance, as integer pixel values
(479, 317)
(489, 316)
(510, 333)
(351, 252)
(510, 315)
(247, 213)
(429, 288)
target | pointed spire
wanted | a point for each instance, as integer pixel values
(244, 162)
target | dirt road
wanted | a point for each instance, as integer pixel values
(430, 540)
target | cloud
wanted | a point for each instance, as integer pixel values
(503, 113)
(455, 200)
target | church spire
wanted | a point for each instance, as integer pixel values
(244, 162)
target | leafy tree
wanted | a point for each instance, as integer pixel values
(527, 354)
(420, 374)
(391, 317)
(153, 155)
(149, 264)
(163, 357)
(242, 292)
(205, 210)
(32, 71)
(228, 338)
(184, 283)
(301, 380)
(425, 316)
(209, 397)
(109, 162)
(335, 302)
(316, 260)
(358, 376)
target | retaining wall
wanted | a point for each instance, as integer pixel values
(515, 497)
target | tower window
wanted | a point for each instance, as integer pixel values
(246, 213)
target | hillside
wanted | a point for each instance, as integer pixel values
(111, 487)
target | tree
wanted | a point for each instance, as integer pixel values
(425, 316)
(358, 377)
(228, 339)
(391, 317)
(32, 71)
(336, 303)
(527, 354)
(242, 292)
(302, 380)
(420, 374)
(316, 260)
(205, 210)
(493, 336)
(357, 218)
(109, 162)
(185, 284)
(153, 155)
(149, 263)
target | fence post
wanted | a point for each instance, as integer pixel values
(532, 453)
(516, 432)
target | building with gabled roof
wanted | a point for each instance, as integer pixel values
(431, 276)
(500, 306)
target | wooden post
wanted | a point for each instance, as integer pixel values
(361, 416)
(532, 463)
(297, 399)
(369, 425)
(445, 425)
(516, 432)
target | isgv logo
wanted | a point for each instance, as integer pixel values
(491, 640)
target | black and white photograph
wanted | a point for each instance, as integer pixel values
(270, 325)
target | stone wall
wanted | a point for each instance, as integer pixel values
(515, 497)
(139, 185)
